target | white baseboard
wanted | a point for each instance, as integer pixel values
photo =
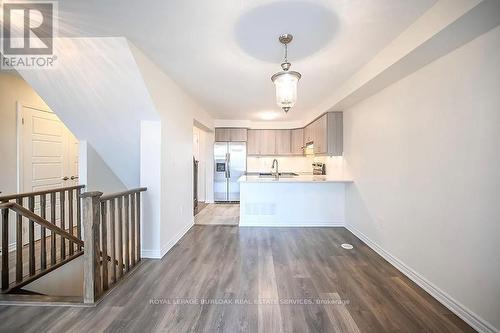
(249, 222)
(165, 248)
(159, 253)
(291, 225)
(475, 321)
(151, 254)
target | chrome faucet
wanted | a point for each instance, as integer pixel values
(277, 173)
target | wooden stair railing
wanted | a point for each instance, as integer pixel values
(112, 230)
(107, 232)
(67, 238)
(49, 205)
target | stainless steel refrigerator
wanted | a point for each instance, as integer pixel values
(230, 164)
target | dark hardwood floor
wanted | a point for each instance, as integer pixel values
(283, 279)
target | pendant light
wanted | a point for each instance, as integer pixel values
(286, 81)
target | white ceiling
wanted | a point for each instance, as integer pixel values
(224, 52)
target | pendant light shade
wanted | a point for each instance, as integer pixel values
(286, 88)
(286, 81)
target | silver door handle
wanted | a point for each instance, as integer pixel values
(74, 177)
(228, 159)
(65, 178)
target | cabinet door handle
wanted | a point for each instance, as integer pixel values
(65, 178)
(74, 177)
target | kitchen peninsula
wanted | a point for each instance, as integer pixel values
(292, 201)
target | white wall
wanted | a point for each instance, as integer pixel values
(177, 111)
(151, 152)
(12, 89)
(95, 173)
(66, 280)
(97, 91)
(201, 154)
(203, 151)
(302, 164)
(209, 170)
(424, 154)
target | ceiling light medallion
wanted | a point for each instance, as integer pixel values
(286, 81)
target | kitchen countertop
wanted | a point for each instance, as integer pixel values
(294, 179)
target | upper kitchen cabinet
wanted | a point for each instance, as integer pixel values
(308, 133)
(319, 135)
(283, 142)
(261, 142)
(222, 134)
(297, 141)
(326, 133)
(238, 134)
(253, 143)
(231, 134)
(268, 142)
(335, 134)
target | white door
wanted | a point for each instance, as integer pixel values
(48, 153)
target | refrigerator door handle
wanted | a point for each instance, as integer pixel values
(228, 165)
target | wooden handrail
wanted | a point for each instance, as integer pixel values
(43, 222)
(122, 194)
(30, 194)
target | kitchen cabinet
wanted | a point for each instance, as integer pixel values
(308, 133)
(222, 134)
(231, 134)
(253, 143)
(297, 141)
(283, 142)
(320, 129)
(238, 134)
(261, 142)
(335, 134)
(326, 134)
(267, 142)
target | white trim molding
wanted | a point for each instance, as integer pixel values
(475, 321)
(291, 224)
(170, 244)
(159, 253)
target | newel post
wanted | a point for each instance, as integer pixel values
(91, 270)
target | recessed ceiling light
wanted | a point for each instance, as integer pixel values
(268, 115)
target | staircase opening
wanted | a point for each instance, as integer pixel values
(96, 242)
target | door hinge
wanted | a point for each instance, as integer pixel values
(22, 121)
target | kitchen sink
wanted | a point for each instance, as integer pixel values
(281, 174)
